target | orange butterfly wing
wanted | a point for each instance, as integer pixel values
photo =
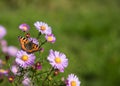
(34, 48)
(24, 41)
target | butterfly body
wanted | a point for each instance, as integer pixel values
(27, 45)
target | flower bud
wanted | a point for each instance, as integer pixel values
(41, 50)
(11, 79)
(63, 79)
(7, 58)
(38, 66)
(50, 78)
(56, 72)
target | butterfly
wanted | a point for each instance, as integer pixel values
(27, 45)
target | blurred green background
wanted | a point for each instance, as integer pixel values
(87, 31)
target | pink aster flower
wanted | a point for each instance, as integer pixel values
(4, 49)
(58, 60)
(24, 27)
(2, 32)
(26, 81)
(72, 80)
(3, 42)
(12, 51)
(3, 45)
(24, 60)
(15, 69)
(4, 72)
(42, 27)
(34, 40)
(50, 38)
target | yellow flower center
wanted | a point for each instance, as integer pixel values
(25, 28)
(43, 28)
(24, 58)
(1, 30)
(50, 38)
(73, 83)
(2, 71)
(58, 60)
(10, 79)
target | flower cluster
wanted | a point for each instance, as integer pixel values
(28, 68)
(5, 53)
(9, 50)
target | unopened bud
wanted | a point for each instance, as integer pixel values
(50, 78)
(11, 79)
(56, 72)
(38, 66)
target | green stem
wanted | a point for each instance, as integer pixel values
(33, 75)
(41, 73)
(38, 35)
(43, 84)
(15, 84)
(43, 43)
